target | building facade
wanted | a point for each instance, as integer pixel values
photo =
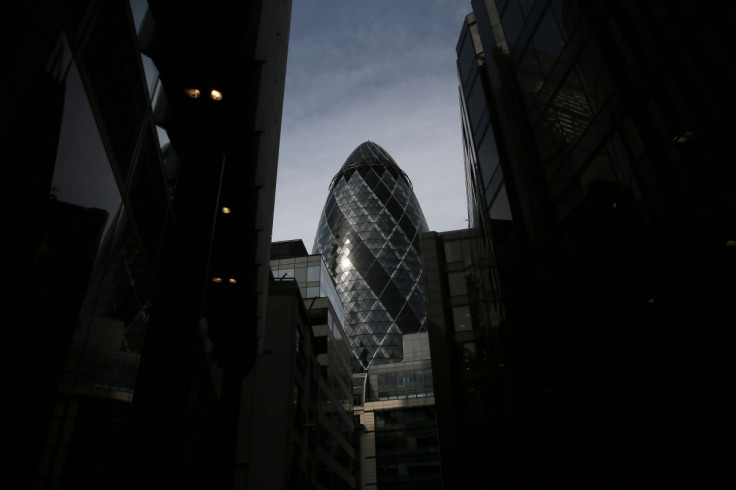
(465, 326)
(397, 439)
(278, 434)
(369, 235)
(596, 127)
(333, 425)
(123, 130)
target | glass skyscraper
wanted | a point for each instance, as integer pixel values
(368, 235)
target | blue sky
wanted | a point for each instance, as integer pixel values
(379, 70)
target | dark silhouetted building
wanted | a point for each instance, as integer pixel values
(138, 152)
(596, 136)
(331, 422)
(368, 235)
(464, 321)
(279, 426)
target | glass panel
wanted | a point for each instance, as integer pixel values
(453, 252)
(410, 382)
(461, 318)
(82, 174)
(151, 73)
(457, 283)
(313, 273)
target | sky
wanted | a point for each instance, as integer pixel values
(378, 70)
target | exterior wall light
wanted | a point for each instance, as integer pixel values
(215, 94)
(683, 137)
(232, 281)
(193, 93)
(225, 210)
(217, 279)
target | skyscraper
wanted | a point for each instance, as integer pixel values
(368, 235)
(594, 136)
(124, 128)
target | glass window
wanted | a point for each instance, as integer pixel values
(461, 318)
(400, 380)
(512, 21)
(453, 252)
(548, 38)
(313, 273)
(313, 292)
(456, 281)
(500, 208)
(82, 173)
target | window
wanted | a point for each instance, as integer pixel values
(453, 252)
(461, 318)
(456, 281)
(313, 273)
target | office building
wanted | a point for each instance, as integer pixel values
(594, 139)
(332, 422)
(368, 235)
(280, 422)
(138, 241)
(397, 442)
(464, 323)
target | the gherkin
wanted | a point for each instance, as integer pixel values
(368, 236)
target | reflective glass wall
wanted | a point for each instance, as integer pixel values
(85, 205)
(368, 235)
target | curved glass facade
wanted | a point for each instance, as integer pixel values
(368, 235)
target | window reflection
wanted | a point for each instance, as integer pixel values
(461, 318)
(82, 174)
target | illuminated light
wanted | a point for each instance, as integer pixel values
(232, 281)
(225, 210)
(215, 94)
(682, 138)
(193, 93)
(731, 243)
(217, 279)
(613, 205)
(651, 300)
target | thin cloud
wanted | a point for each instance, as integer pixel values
(382, 71)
